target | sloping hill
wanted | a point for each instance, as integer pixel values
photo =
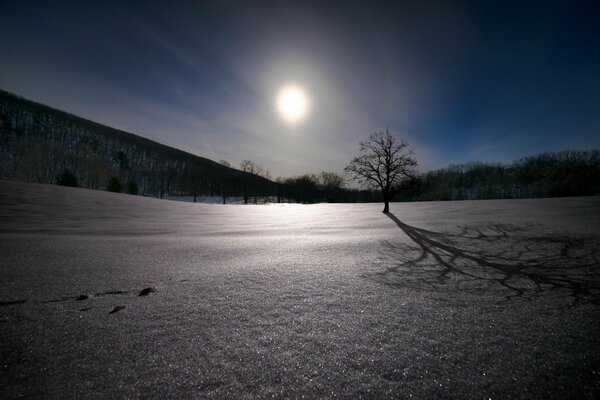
(39, 144)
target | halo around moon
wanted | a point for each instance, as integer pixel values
(292, 103)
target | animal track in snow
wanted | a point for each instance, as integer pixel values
(110, 293)
(83, 297)
(147, 291)
(116, 309)
(11, 303)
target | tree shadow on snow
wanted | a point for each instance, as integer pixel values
(507, 257)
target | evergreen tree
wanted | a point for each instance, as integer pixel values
(132, 188)
(68, 178)
(114, 185)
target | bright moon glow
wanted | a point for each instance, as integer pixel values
(292, 103)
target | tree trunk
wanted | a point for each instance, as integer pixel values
(386, 201)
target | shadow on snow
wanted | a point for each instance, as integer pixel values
(502, 255)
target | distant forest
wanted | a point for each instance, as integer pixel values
(44, 145)
(566, 173)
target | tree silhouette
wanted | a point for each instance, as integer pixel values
(68, 178)
(132, 188)
(251, 167)
(114, 185)
(383, 163)
(332, 184)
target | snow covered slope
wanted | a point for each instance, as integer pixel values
(496, 298)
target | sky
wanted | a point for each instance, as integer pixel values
(460, 81)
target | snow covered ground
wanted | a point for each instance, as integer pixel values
(207, 199)
(474, 299)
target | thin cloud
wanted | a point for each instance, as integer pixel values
(449, 78)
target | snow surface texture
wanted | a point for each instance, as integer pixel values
(110, 295)
(207, 199)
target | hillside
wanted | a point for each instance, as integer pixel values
(41, 144)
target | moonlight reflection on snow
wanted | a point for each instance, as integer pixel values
(455, 299)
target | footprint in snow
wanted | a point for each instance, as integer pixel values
(147, 291)
(13, 302)
(68, 298)
(110, 293)
(116, 309)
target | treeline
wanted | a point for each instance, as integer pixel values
(327, 187)
(44, 145)
(566, 173)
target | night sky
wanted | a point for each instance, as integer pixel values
(461, 81)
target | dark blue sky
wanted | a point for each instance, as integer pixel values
(461, 81)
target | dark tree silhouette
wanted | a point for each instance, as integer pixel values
(332, 186)
(383, 163)
(566, 173)
(251, 167)
(68, 178)
(132, 188)
(114, 185)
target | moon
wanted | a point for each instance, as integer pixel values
(292, 103)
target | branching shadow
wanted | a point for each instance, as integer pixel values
(503, 255)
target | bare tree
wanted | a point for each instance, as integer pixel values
(251, 167)
(246, 165)
(384, 161)
(225, 163)
(332, 179)
(332, 184)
